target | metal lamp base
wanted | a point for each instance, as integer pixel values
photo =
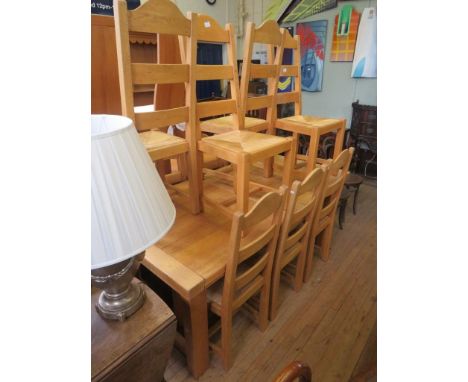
(119, 307)
(120, 298)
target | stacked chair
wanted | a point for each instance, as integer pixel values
(239, 147)
(159, 17)
(308, 125)
(269, 34)
(273, 236)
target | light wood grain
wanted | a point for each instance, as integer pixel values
(326, 324)
(323, 224)
(145, 74)
(246, 275)
(160, 17)
(294, 234)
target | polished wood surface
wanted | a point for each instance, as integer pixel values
(105, 95)
(137, 348)
(327, 324)
(190, 258)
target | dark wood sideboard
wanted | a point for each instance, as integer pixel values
(136, 349)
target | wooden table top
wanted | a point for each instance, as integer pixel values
(193, 253)
(112, 342)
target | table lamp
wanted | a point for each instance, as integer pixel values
(130, 211)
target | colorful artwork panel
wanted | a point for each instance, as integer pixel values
(365, 54)
(313, 41)
(343, 46)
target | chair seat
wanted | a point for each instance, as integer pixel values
(353, 180)
(303, 123)
(235, 143)
(161, 145)
(226, 124)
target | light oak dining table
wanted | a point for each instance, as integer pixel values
(190, 258)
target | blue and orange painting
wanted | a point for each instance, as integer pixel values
(313, 41)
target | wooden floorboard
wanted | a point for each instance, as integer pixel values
(328, 323)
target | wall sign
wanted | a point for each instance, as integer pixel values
(105, 7)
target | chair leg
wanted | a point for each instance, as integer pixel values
(275, 285)
(242, 185)
(355, 198)
(263, 307)
(226, 334)
(195, 179)
(326, 242)
(182, 166)
(342, 212)
(268, 167)
(309, 258)
(300, 264)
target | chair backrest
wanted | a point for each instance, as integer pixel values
(269, 34)
(334, 182)
(155, 17)
(293, 70)
(206, 29)
(253, 241)
(301, 207)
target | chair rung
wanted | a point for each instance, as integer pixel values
(216, 348)
(214, 328)
(173, 187)
(219, 174)
(250, 310)
(224, 210)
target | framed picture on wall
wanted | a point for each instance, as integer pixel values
(313, 36)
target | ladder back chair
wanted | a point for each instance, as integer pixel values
(269, 34)
(299, 124)
(239, 147)
(294, 234)
(155, 17)
(323, 223)
(251, 250)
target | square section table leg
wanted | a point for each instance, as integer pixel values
(195, 332)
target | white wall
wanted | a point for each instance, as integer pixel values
(222, 11)
(339, 90)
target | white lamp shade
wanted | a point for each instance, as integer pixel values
(130, 207)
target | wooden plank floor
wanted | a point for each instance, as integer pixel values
(328, 324)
